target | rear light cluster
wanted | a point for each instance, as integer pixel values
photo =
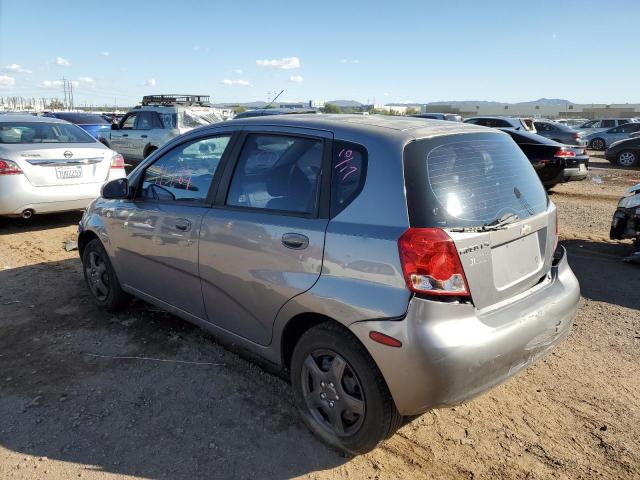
(117, 162)
(7, 167)
(576, 136)
(562, 153)
(430, 263)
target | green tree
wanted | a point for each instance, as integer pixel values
(331, 108)
(56, 104)
(411, 111)
(239, 109)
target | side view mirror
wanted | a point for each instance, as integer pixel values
(114, 126)
(116, 189)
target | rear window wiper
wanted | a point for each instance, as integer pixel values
(497, 224)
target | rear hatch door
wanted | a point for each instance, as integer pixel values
(483, 191)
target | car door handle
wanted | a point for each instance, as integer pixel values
(295, 241)
(143, 136)
(183, 224)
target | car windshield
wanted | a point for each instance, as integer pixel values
(197, 117)
(472, 182)
(82, 118)
(40, 132)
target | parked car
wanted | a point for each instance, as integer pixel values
(452, 117)
(572, 122)
(625, 153)
(159, 119)
(554, 162)
(601, 140)
(626, 218)
(603, 124)
(559, 133)
(420, 271)
(261, 112)
(95, 125)
(49, 165)
(503, 122)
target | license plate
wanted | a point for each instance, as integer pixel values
(583, 167)
(63, 173)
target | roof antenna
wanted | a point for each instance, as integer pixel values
(274, 99)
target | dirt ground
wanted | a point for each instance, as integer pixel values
(193, 409)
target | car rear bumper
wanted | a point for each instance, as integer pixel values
(575, 173)
(18, 195)
(452, 352)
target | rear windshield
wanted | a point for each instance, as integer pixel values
(470, 180)
(197, 117)
(37, 132)
(82, 118)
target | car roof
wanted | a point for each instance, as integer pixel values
(534, 137)
(30, 118)
(380, 125)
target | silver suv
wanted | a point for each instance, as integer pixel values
(390, 265)
(160, 118)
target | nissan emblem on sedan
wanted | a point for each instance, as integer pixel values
(339, 248)
(68, 154)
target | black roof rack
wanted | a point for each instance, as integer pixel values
(174, 99)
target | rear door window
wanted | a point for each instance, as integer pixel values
(278, 172)
(607, 123)
(348, 172)
(470, 182)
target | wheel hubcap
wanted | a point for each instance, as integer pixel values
(627, 159)
(597, 144)
(97, 277)
(333, 393)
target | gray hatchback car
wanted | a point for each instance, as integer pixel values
(389, 265)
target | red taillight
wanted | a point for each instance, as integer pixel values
(430, 262)
(117, 162)
(384, 339)
(7, 167)
(576, 136)
(565, 153)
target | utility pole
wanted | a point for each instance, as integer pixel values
(64, 87)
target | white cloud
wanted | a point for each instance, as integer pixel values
(63, 62)
(105, 54)
(554, 35)
(347, 60)
(87, 81)
(238, 71)
(244, 83)
(150, 83)
(287, 63)
(51, 83)
(296, 78)
(386, 94)
(15, 68)
(7, 82)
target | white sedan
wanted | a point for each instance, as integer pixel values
(49, 165)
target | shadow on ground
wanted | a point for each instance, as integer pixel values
(603, 276)
(36, 223)
(63, 395)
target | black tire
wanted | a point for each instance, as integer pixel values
(361, 384)
(101, 279)
(597, 144)
(627, 158)
(149, 151)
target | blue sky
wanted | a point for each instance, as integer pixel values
(401, 51)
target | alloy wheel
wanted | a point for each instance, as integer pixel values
(627, 159)
(333, 393)
(597, 144)
(97, 276)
